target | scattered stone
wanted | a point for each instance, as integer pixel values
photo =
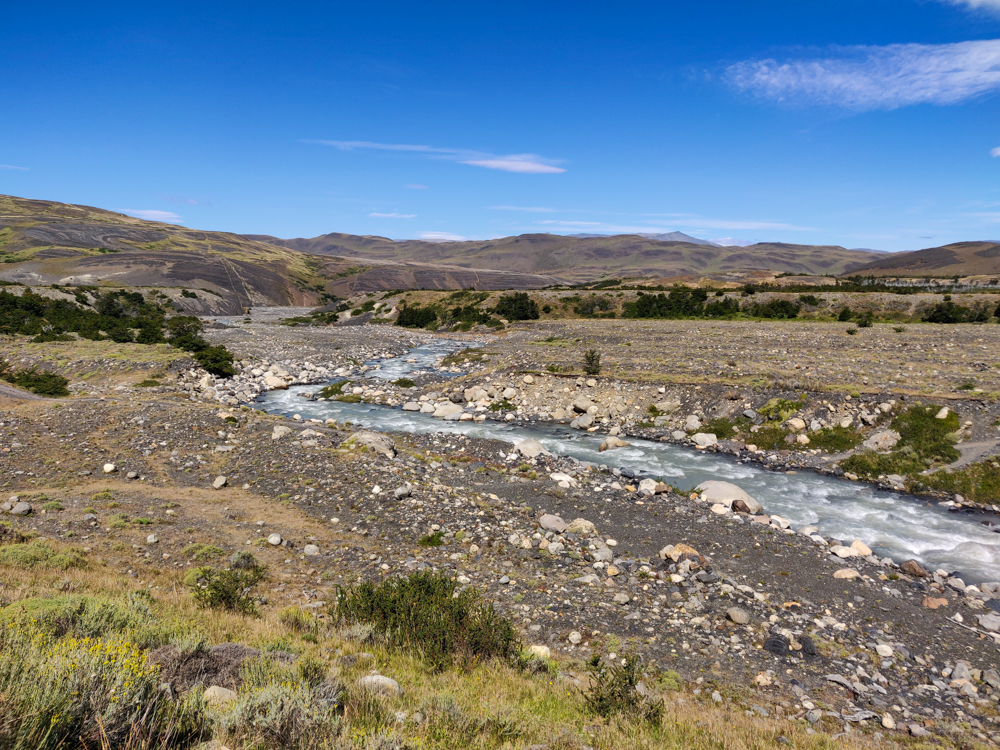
(219, 482)
(380, 684)
(280, 431)
(110, 468)
(217, 695)
(20, 509)
(932, 602)
(847, 573)
(611, 442)
(738, 615)
(274, 539)
(574, 637)
(310, 550)
(531, 449)
(912, 567)
(550, 522)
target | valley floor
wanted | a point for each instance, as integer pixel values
(756, 636)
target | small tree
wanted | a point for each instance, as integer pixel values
(592, 362)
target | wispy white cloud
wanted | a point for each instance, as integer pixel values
(151, 214)
(732, 242)
(867, 78)
(687, 220)
(990, 217)
(11, 166)
(529, 209)
(441, 237)
(519, 163)
(990, 5)
(995, 151)
(377, 215)
(415, 186)
(560, 223)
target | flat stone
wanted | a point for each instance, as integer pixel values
(574, 637)
(110, 468)
(274, 539)
(884, 650)
(280, 431)
(550, 522)
(219, 482)
(310, 550)
(380, 684)
(715, 491)
(932, 602)
(738, 615)
(704, 439)
(847, 573)
(216, 695)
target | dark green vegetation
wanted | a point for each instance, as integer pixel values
(403, 383)
(685, 302)
(516, 306)
(123, 317)
(451, 316)
(592, 362)
(42, 382)
(230, 589)
(924, 441)
(977, 483)
(614, 689)
(835, 439)
(949, 312)
(428, 613)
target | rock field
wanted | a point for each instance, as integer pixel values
(747, 610)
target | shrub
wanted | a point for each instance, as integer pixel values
(404, 383)
(592, 362)
(415, 316)
(203, 552)
(217, 360)
(845, 315)
(923, 440)
(147, 383)
(335, 389)
(426, 612)
(779, 309)
(298, 620)
(614, 689)
(722, 428)
(516, 306)
(30, 555)
(978, 482)
(243, 560)
(434, 539)
(502, 405)
(835, 439)
(42, 382)
(76, 616)
(230, 589)
(54, 694)
(948, 312)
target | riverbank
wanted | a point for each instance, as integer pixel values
(725, 616)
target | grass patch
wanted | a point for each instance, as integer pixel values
(722, 428)
(502, 405)
(53, 505)
(835, 439)
(32, 555)
(147, 383)
(614, 690)
(434, 539)
(404, 383)
(780, 409)
(769, 438)
(977, 483)
(335, 389)
(924, 441)
(428, 614)
(203, 552)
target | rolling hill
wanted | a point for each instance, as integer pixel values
(580, 259)
(980, 258)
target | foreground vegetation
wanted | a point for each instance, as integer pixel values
(87, 669)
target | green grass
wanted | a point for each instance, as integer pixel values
(835, 439)
(977, 483)
(334, 390)
(434, 539)
(782, 408)
(30, 555)
(404, 383)
(429, 614)
(203, 552)
(924, 441)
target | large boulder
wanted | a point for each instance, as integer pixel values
(726, 493)
(692, 423)
(373, 441)
(531, 449)
(447, 409)
(666, 407)
(550, 522)
(704, 439)
(612, 442)
(883, 440)
(582, 404)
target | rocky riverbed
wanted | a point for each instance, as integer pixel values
(746, 610)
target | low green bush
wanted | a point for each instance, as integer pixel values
(404, 383)
(334, 389)
(614, 689)
(924, 441)
(835, 439)
(977, 483)
(428, 613)
(203, 552)
(434, 539)
(30, 555)
(42, 382)
(229, 589)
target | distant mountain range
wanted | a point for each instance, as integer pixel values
(44, 242)
(664, 237)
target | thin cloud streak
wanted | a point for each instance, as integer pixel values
(686, 220)
(415, 186)
(517, 163)
(441, 237)
(989, 5)
(995, 151)
(11, 166)
(151, 214)
(530, 209)
(377, 215)
(868, 78)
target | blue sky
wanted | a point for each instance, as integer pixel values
(863, 124)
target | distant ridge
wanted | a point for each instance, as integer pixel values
(665, 237)
(958, 259)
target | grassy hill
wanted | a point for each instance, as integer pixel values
(958, 259)
(579, 259)
(43, 242)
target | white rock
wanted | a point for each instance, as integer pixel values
(531, 449)
(540, 652)
(411, 406)
(574, 637)
(380, 684)
(274, 540)
(861, 548)
(795, 424)
(726, 493)
(551, 522)
(704, 439)
(883, 650)
(219, 482)
(152, 539)
(217, 695)
(280, 431)
(310, 550)
(943, 414)
(110, 468)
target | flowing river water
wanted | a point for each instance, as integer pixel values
(892, 524)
